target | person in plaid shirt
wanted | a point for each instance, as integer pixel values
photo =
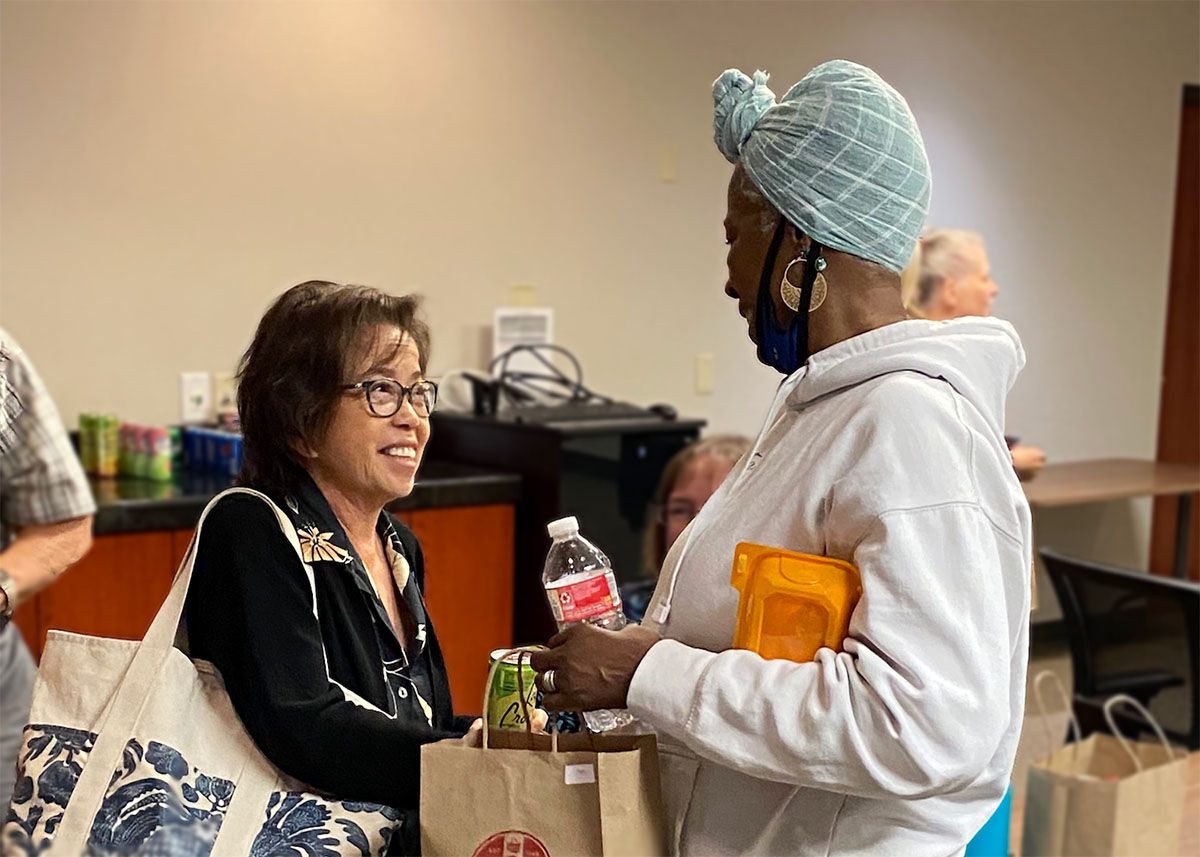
(45, 527)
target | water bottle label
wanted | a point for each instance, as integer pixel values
(582, 600)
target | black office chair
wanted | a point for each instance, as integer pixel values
(1130, 633)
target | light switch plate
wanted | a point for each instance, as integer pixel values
(195, 397)
(225, 394)
(668, 163)
(704, 374)
(522, 294)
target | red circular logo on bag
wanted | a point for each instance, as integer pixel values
(511, 843)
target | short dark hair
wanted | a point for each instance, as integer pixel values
(292, 375)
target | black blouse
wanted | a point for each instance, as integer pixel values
(250, 612)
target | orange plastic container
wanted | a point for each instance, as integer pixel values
(792, 604)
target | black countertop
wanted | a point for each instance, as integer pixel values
(574, 426)
(139, 505)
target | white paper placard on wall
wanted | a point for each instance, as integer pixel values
(522, 326)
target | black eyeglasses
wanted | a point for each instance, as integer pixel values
(385, 396)
(678, 513)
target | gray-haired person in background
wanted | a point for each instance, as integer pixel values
(950, 276)
(46, 512)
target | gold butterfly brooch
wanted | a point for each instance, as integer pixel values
(317, 547)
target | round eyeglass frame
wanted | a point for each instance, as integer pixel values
(405, 392)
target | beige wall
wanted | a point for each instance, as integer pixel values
(169, 167)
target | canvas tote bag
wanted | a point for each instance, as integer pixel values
(134, 749)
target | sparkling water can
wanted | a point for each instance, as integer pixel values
(504, 709)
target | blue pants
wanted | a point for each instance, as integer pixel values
(992, 838)
(17, 672)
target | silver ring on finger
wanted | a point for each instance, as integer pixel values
(549, 684)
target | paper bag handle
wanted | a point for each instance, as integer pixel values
(522, 653)
(523, 658)
(1076, 731)
(1120, 698)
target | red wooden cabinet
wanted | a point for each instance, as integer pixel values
(468, 590)
(116, 589)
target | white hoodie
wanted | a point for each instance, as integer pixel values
(886, 450)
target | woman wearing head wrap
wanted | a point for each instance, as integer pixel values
(884, 447)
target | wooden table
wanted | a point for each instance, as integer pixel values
(1080, 482)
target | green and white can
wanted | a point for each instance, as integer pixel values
(514, 675)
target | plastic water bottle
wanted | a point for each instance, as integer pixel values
(581, 588)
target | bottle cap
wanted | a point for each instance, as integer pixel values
(563, 527)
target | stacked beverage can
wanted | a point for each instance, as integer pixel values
(125, 457)
(108, 446)
(175, 434)
(88, 423)
(145, 453)
(158, 460)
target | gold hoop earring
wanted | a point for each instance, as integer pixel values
(791, 294)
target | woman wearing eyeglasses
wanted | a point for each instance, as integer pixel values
(335, 408)
(689, 479)
(691, 476)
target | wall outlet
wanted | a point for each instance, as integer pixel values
(195, 397)
(704, 374)
(225, 394)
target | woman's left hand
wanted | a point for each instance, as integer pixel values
(474, 736)
(538, 721)
(592, 667)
